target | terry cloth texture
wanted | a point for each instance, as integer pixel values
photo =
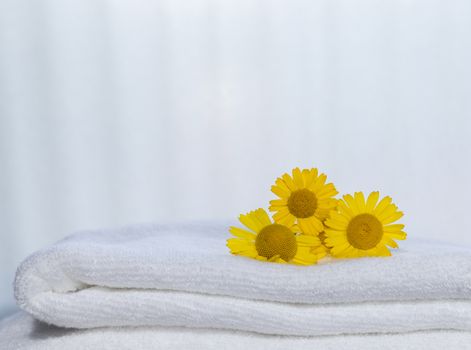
(183, 276)
(22, 332)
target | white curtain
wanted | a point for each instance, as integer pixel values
(122, 111)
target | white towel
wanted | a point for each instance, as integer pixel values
(183, 275)
(21, 332)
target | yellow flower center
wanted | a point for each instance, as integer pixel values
(302, 203)
(274, 240)
(364, 231)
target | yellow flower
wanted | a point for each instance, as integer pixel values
(273, 242)
(305, 200)
(363, 228)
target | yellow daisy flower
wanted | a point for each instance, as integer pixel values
(304, 199)
(361, 228)
(268, 241)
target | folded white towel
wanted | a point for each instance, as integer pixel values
(183, 275)
(102, 307)
(22, 332)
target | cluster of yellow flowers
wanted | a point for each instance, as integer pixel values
(309, 223)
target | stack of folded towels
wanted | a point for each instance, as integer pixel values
(178, 287)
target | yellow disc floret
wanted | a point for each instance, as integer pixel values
(364, 231)
(275, 240)
(302, 203)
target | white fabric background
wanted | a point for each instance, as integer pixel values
(124, 111)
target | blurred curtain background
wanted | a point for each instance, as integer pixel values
(113, 112)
